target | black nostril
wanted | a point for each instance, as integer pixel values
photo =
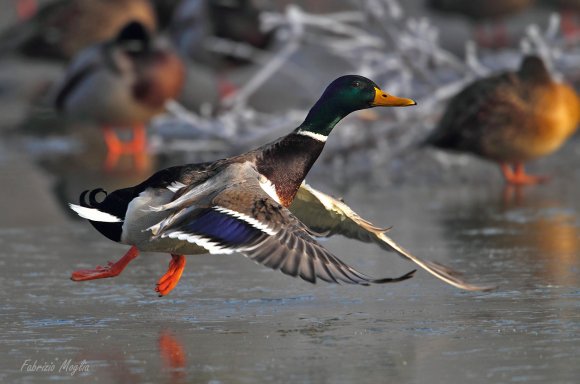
(383, 95)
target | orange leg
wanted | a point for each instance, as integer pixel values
(137, 145)
(518, 175)
(172, 276)
(139, 142)
(111, 270)
(113, 142)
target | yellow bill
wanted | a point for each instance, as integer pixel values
(384, 100)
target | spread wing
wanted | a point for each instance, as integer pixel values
(325, 214)
(243, 218)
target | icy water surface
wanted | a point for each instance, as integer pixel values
(230, 320)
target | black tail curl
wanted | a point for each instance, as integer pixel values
(92, 203)
(88, 199)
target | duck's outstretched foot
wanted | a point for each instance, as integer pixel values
(518, 175)
(110, 270)
(168, 281)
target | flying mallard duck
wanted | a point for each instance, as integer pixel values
(510, 118)
(245, 204)
(122, 82)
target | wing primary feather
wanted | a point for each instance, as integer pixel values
(307, 270)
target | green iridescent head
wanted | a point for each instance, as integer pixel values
(345, 95)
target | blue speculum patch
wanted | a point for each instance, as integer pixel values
(223, 228)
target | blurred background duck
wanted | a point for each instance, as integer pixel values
(510, 118)
(570, 14)
(482, 12)
(122, 82)
(60, 29)
(237, 21)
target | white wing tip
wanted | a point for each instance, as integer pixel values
(94, 214)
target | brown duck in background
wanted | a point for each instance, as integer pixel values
(482, 11)
(510, 118)
(122, 82)
(62, 28)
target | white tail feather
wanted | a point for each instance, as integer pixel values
(94, 214)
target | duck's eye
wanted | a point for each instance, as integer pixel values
(356, 84)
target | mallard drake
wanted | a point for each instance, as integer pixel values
(241, 204)
(122, 82)
(510, 118)
(63, 28)
(481, 11)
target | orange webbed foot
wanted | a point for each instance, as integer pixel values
(169, 281)
(112, 269)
